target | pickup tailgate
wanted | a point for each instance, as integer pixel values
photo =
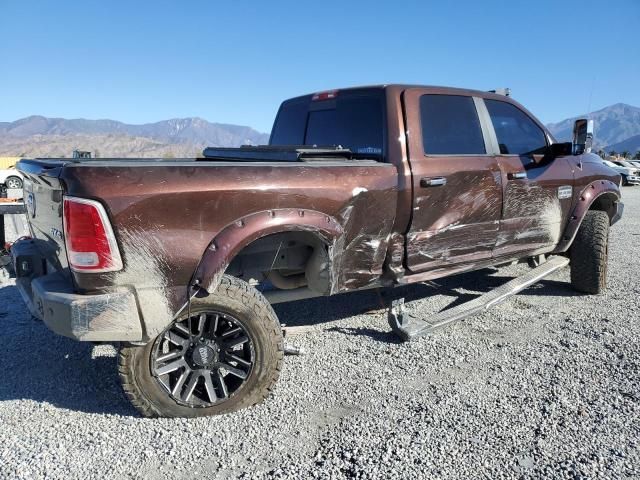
(43, 198)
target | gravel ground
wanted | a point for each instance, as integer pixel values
(544, 386)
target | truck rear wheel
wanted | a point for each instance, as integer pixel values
(227, 356)
(589, 253)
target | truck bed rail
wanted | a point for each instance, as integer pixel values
(288, 153)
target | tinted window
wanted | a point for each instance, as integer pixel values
(450, 125)
(517, 133)
(290, 123)
(354, 121)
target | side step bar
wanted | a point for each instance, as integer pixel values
(408, 326)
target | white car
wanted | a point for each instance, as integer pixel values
(11, 178)
(630, 176)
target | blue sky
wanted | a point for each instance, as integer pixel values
(234, 62)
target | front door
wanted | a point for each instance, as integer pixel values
(457, 184)
(537, 190)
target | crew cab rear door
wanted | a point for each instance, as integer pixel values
(457, 189)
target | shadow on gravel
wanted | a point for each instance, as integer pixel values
(552, 288)
(327, 309)
(44, 367)
(377, 335)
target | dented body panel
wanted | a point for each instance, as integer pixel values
(366, 222)
(536, 207)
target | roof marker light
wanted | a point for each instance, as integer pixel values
(328, 95)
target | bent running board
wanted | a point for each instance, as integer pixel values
(408, 326)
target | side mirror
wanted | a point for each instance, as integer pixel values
(563, 149)
(582, 136)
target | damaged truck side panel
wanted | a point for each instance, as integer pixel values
(193, 226)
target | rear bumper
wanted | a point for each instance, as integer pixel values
(111, 316)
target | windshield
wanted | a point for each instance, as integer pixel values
(626, 164)
(610, 164)
(351, 119)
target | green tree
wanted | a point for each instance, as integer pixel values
(637, 156)
(626, 154)
(602, 154)
(613, 153)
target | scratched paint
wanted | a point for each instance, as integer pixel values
(532, 218)
(106, 317)
(148, 273)
(451, 227)
(358, 256)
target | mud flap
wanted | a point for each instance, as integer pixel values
(409, 326)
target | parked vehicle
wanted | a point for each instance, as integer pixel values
(630, 174)
(11, 178)
(180, 259)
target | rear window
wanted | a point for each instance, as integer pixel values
(450, 126)
(352, 120)
(290, 123)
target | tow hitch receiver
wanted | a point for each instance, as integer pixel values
(408, 326)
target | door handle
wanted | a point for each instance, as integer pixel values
(517, 175)
(432, 182)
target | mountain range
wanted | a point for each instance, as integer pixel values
(617, 127)
(42, 136)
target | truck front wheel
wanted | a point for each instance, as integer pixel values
(589, 253)
(225, 357)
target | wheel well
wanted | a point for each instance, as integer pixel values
(605, 203)
(284, 261)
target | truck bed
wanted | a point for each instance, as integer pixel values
(165, 214)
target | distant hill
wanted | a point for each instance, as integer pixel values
(42, 136)
(613, 125)
(100, 145)
(631, 145)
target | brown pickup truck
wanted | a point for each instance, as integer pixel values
(179, 260)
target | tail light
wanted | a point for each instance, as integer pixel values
(91, 245)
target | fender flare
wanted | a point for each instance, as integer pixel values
(245, 230)
(587, 197)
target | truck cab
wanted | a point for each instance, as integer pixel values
(478, 178)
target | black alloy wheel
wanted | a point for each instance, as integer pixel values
(203, 360)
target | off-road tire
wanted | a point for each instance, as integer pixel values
(589, 254)
(239, 299)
